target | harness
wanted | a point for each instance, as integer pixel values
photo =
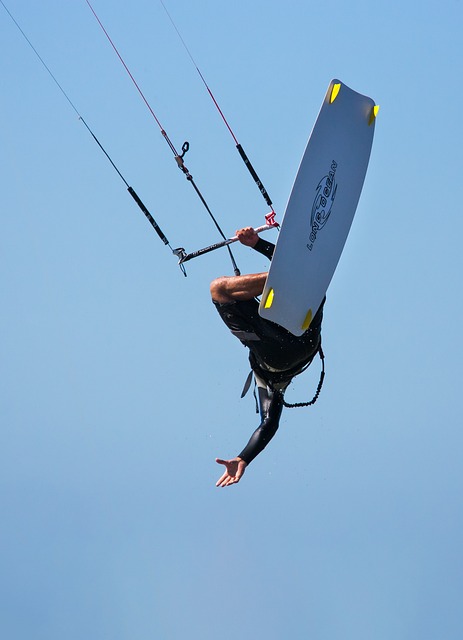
(278, 381)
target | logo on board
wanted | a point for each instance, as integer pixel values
(322, 204)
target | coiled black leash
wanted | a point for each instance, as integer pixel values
(297, 405)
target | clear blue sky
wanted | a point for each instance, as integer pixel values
(119, 384)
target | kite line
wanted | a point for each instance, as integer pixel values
(130, 189)
(240, 149)
(178, 157)
(180, 252)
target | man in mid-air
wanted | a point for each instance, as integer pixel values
(275, 354)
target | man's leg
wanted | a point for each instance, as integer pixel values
(234, 288)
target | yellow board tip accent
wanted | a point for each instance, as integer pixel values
(269, 299)
(334, 92)
(373, 114)
(307, 321)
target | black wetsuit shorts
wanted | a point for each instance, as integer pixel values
(275, 354)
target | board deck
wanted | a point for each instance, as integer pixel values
(320, 209)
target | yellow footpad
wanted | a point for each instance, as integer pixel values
(373, 114)
(334, 92)
(307, 321)
(269, 299)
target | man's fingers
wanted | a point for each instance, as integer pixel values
(247, 236)
(233, 472)
(221, 480)
(226, 480)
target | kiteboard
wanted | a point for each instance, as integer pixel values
(320, 208)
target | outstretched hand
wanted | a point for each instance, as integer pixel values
(233, 472)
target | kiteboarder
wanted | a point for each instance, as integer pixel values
(275, 354)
